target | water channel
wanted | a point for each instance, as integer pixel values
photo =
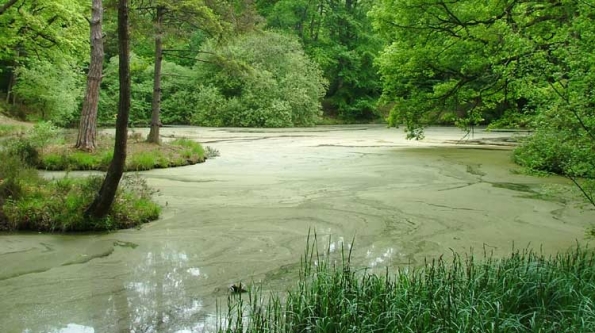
(245, 215)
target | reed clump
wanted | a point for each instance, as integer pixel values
(525, 292)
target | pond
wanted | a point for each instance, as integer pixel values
(245, 216)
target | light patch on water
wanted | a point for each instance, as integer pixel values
(208, 324)
(140, 287)
(333, 246)
(70, 328)
(376, 260)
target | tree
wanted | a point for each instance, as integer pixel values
(100, 206)
(7, 5)
(461, 62)
(262, 79)
(176, 15)
(464, 61)
(44, 30)
(153, 136)
(338, 35)
(88, 123)
(51, 89)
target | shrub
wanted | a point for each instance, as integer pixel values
(261, 80)
(54, 90)
(178, 92)
(59, 206)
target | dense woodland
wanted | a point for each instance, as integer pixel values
(283, 63)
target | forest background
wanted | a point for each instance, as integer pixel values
(282, 63)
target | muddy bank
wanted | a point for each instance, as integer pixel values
(245, 216)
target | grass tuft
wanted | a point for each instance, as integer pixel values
(525, 292)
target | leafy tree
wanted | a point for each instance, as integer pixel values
(103, 201)
(51, 89)
(43, 30)
(180, 16)
(176, 83)
(338, 35)
(88, 124)
(462, 61)
(259, 79)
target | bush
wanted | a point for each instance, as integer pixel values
(29, 202)
(259, 80)
(29, 146)
(178, 92)
(54, 90)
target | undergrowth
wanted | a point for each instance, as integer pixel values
(30, 202)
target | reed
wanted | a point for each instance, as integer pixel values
(525, 292)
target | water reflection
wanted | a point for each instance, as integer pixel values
(376, 257)
(161, 292)
(70, 328)
(161, 289)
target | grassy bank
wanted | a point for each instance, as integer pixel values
(48, 147)
(141, 156)
(525, 292)
(30, 202)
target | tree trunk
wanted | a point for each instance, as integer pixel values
(12, 80)
(7, 5)
(156, 104)
(104, 199)
(88, 125)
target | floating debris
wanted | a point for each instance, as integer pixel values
(238, 288)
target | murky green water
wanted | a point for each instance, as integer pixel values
(245, 216)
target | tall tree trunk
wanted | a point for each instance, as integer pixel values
(104, 199)
(88, 125)
(156, 104)
(12, 80)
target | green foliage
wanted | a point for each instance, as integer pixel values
(75, 160)
(143, 156)
(142, 89)
(45, 29)
(192, 148)
(260, 80)
(338, 36)
(27, 148)
(42, 134)
(7, 130)
(475, 61)
(525, 292)
(23, 150)
(144, 161)
(29, 202)
(53, 89)
(176, 86)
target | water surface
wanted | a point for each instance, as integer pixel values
(245, 215)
